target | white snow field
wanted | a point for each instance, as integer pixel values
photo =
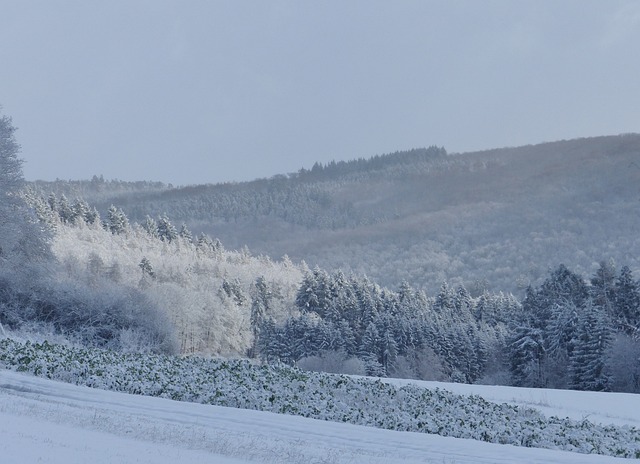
(44, 421)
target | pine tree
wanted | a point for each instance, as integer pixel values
(626, 311)
(603, 286)
(587, 367)
(65, 211)
(166, 231)
(369, 351)
(117, 221)
(147, 269)
(260, 305)
(185, 233)
(527, 355)
(445, 300)
(315, 292)
(150, 226)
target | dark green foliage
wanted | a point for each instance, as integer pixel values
(166, 231)
(527, 356)
(380, 326)
(587, 369)
(260, 308)
(626, 312)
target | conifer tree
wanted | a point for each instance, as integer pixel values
(587, 368)
(117, 221)
(185, 233)
(627, 303)
(166, 231)
(260, 306)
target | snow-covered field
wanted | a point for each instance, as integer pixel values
(52, 422)
(602, 408)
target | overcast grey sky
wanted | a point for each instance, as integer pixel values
(208, 91)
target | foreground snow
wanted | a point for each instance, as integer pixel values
(57, 423)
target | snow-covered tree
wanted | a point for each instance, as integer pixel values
(150, 226)
(527, 355)
(260, 306)
(20, 236)
(626, 305)
(117, 221)
(587, 367)
(166, 231)
(185, 233)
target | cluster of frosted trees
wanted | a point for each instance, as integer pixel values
(395, 333)
(565, 334)
(579, 335)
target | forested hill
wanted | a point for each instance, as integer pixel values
(496, 219)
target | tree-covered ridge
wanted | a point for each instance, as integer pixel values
(305, 198)
(424, 216)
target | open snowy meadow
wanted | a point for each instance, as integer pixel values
(52, 422)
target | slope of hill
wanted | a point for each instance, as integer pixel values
(46, 418)
(497, 219)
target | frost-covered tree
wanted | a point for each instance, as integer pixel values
(626, 305)
(117, 221)
(587, 367)
(20, 237)
(150, 226)
(527, 355)
(166, 231)
(603, 285)
(233, 289)
(185, 233)
(260, 306)
(65, 212)
(146, 268)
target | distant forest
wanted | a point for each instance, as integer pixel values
(497, 220)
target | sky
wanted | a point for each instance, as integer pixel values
(210, 91)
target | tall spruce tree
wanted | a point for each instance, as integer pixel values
(587, 366)
(627, 303)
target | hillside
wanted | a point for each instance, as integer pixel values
(342, 402)
(496, 220)
(58, 423)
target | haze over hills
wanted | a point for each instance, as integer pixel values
(496, 219)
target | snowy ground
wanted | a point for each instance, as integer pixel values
(602, 408)
(57, 423)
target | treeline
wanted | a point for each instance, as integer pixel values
(98, 189)
(399, 333)
(362, 166)
(567, 333)
(305, 198)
